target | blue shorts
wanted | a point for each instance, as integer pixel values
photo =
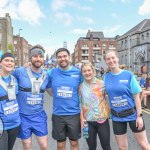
(36, 124)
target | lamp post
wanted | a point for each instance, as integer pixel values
(20, 51)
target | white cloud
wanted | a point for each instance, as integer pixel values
(145, 8)
(87, 20)
(112, 31)
(114, 15)
(25, 10)
(57, 5)
(79, 31)
(64, 18)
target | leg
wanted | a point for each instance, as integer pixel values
(145, 100)
(43, 142)
(74, 145)
(120, 130)
(142, 140)
(122, 141)
(4, 141)
(61, 145)
(12, 135)
(92, 140)
(140, 135)
(104, 135)
(73, 130)
(27, 144)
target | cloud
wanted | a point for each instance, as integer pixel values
(24, 10)
(114, 15)
(144, 8)
(87, 20)
(57, 5)
(79, 31)
(64, 18)
(123, 1)
(112, 31)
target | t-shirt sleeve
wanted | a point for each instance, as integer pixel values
(135, 87)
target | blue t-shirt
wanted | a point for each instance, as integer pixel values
(9, 109)
(65, 86)
(29, 103)
(142, 82)
(120, 89)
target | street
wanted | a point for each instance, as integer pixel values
(82, 144)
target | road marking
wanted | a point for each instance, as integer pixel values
(146, 111)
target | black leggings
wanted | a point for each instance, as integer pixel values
(103, 131)
(8, 138)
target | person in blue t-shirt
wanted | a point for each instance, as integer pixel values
(32, 83)
(65, 81)
(123, 92)
(142, 81)
(9, 109)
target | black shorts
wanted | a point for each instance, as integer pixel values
(66, 126)
(120, 128)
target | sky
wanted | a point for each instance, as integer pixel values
(51, 22)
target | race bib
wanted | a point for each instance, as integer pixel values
(64, 92)
(119, 101)
(10, 108)
(11, 92)
(34, 99)
(36, 87)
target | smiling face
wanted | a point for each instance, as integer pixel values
(88, 72)
(37, 60)
(7, 64)
(112, 60)
(63, 59)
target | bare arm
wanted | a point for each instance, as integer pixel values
(49, 91)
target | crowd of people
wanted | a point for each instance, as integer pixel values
(78, 97)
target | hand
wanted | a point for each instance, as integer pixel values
(139, 123)
(82, 122)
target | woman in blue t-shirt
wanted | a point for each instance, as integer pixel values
(123, 92)
(9, 110)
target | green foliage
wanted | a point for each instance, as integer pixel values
(11, 48)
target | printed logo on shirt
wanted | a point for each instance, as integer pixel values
(10, 108)
(123, 81)
(74, 75)
(34, 99)
(119, 101)
(64, 92)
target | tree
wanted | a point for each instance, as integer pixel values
(11, 48)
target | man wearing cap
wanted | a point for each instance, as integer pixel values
(9, 109)
(65, 82)
(32, 83)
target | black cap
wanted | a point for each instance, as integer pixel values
(7, 55)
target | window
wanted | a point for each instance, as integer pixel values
(85, 45)
(85, 51)
(95, 45)
(15, 42)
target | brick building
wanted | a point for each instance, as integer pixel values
(92, 48)
(21, 48)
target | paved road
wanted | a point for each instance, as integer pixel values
(83, 146)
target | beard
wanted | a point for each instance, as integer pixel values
(64, 66)
(37, 64)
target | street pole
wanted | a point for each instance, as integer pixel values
(19, 52)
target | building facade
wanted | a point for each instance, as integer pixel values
(134, 47)
(6, 33)
(21, 50)
(92, 48)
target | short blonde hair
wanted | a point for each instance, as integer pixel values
(88, 64)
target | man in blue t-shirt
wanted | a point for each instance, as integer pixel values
(32, 83)
(65, 81)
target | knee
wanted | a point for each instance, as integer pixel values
(44, 146)
(27, 145)
(61, 145)
(123, 147)
(74, 143)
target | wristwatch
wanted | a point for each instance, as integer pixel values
(140, 115)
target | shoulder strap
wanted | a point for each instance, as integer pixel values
(31, 76)
(4, 84)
